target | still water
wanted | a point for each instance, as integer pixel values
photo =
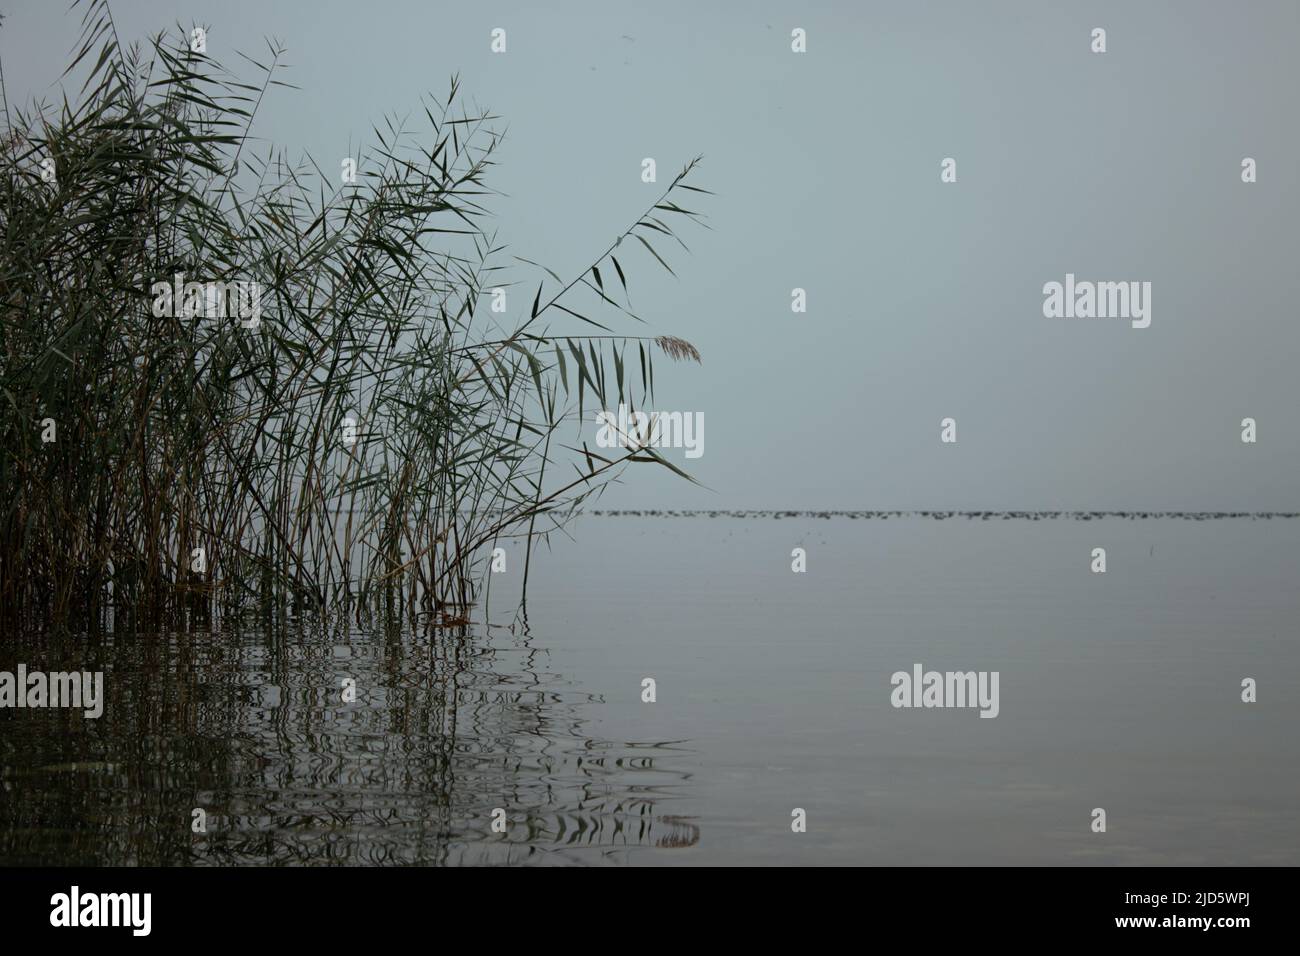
(1119, 691)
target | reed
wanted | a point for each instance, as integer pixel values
(164, 467)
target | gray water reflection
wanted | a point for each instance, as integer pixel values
(447, 725)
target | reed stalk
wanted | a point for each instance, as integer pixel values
(167, 468)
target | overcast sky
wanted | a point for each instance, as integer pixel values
(925, 299)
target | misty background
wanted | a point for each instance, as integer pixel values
(924, 299)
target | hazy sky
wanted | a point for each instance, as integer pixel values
(924, 299)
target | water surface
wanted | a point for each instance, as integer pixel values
(1118, 690)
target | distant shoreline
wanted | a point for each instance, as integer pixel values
(943, 515)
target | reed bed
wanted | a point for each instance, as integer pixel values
(361, 445)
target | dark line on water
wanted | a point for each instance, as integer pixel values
(968, 515)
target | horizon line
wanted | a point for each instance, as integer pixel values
(938, 514)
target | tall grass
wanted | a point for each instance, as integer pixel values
(199, 466)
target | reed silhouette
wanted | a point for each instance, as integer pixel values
(356, 446)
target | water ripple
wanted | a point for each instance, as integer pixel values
(446, 727)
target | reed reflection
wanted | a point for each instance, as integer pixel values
(252, 727)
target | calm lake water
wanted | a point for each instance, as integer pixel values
(1119, 690)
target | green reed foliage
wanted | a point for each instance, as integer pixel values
(174, 433)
